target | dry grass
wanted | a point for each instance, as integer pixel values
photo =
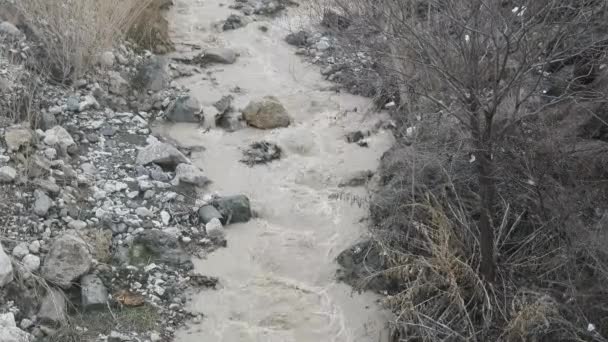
(74, 32)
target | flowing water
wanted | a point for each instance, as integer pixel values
(277, 274)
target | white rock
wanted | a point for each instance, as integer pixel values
(34, 247)
(31, 262)
(107, 59)
(165, 217)
(6, 268)
(190, 174)
(7, 174)
(58, 136)
(143, 212)
(112, 186)
(215, 229)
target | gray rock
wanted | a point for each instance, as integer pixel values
(68, 260)
(162, 154)
(6, 268)
(215, 229)
(31, 263)
(26, 323)
(298, 39)
(7, 174)
(53, 309)
(233, 22)
(234, 209)
(18, 136)
(9, 331)
(47, 120)
(160, 247)
(261, 152)
(117, 84)
(94, 294)
(42, 203)
(34, 247)
(220, 55)
(7, 28)
(88, 103)
(77, 225)
(266, 113)
(20, 250)
(58, 136)
(185, 109)
(47, 186)
(72, 103)
(152, 75)
(143, 212)
(190, 174)
(357, 178)
(208, 213)
(224, 104)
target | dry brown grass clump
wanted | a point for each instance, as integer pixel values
(74, 32)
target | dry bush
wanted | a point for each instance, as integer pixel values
(508, 101)
(74, 32)
(150, 29)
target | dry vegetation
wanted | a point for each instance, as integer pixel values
(74, 32)
(491, 211)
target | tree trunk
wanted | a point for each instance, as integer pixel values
(486, 192)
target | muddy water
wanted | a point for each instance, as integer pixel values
(277, 274)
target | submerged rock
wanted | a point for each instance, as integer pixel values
(233, 22)
(261, 152)
(220, 55)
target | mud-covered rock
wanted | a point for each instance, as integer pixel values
(153, 74)
(94, 294)
(220, 55)
(158, 246)
(261, 152)
(207, 213)
(266, 113)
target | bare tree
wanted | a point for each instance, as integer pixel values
(488, 64)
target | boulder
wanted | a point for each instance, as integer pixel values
(161, 154)
(185, 109)
(152, 75)
(47, 121)
(207, 213)
(53, 309)
(6, 268)
(42, 203)
(7, 174)
(220, 55)
(94, 293)
(266, 113)
(234, 209)
(9, 332)
(67, 260)
(190, 174)
(17, 137)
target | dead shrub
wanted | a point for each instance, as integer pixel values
(74, 32)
